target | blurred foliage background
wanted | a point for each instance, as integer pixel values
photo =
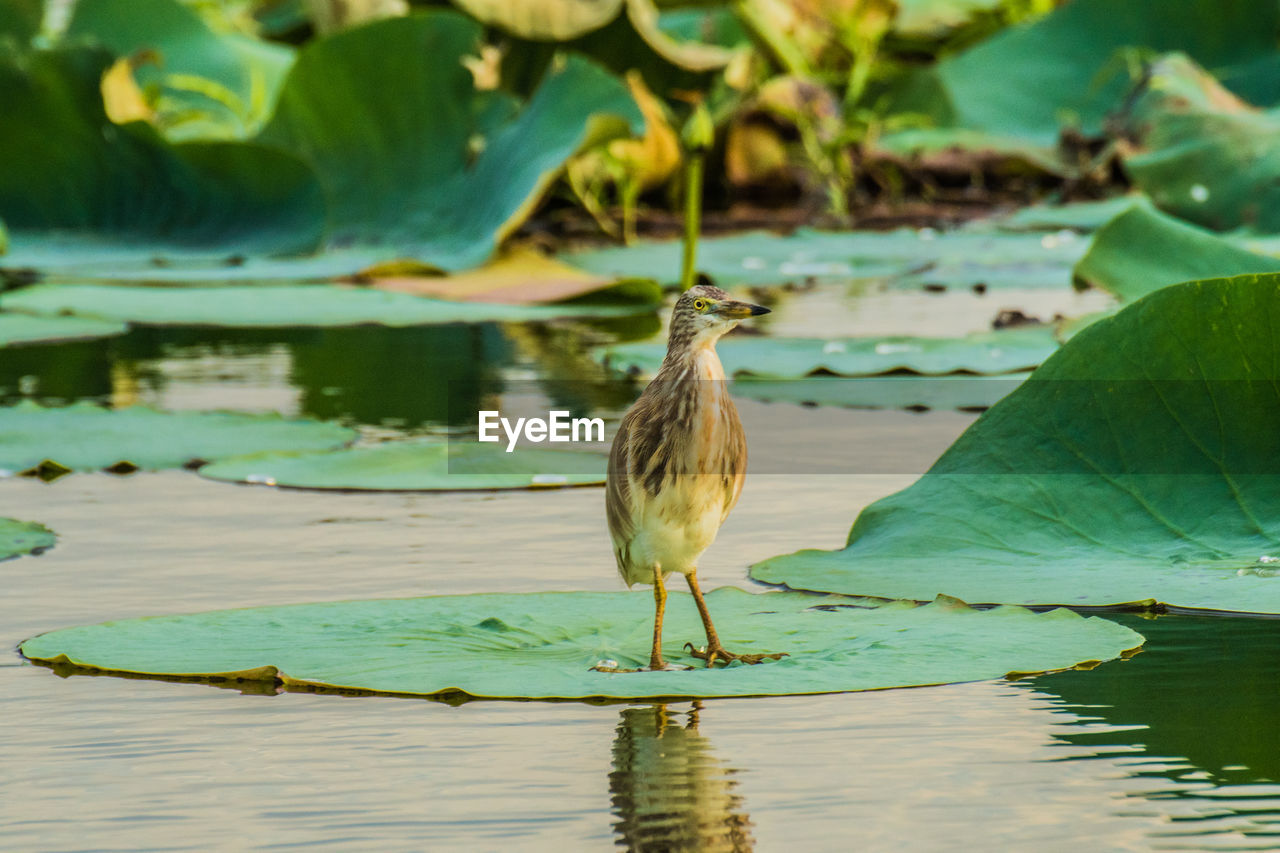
(432, 130)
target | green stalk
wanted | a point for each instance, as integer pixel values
(692, 218)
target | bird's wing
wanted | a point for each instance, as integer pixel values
(617, 493)
(737, 456)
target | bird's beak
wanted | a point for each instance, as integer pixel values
(740, 310)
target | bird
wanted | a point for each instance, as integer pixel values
(677, 464)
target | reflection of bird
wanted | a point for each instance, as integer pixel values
(670, 793)
(678, 461)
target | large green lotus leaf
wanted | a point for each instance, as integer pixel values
(906, 257)
(84, 437)
(1201, 153)
(416, 466)
(64, 166)
(1003, 351)
(29, 329)
(412, 155)
(277, 305)
(1143, 250)
(23, 537)
(544, 645)
(1139, 464)
(1069, 71)
(247, 72)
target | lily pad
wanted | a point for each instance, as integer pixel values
(84, 437)
(1143, 250)
(1138, 465)
(905, 257)
(1003, 351)
(544, 645)
(277, 305)
(882, 392)
(364, 104)
(23, 537)
(457, 465)
(30, 329)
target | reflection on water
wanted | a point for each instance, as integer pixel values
(1193, 718)
(407, 378)
(670, 792)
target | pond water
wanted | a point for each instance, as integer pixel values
(1174, 749)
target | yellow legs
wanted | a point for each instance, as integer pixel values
(713, 649)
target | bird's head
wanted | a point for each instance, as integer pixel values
(703, 313)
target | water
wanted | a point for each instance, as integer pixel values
(1175, 749)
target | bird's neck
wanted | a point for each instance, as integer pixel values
(696, 359)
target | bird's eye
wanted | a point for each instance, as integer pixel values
(700, 305)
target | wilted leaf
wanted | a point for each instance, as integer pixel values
(543, 645)
(460, 464)
(84, 437)
(23, 537)
(276, 305)
(524, 277)
(246, 72)
(1139, 464)
(543, 20)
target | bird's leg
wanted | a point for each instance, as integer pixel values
(659, 606)
(714, 649)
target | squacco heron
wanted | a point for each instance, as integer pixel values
(677, 464)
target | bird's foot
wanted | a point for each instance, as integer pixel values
(716, 652)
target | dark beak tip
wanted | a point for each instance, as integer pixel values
(757, 310)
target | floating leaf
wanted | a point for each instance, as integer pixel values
(1143, 250)
(544, 645)
(1003, 351)
(882, 392)
(276, 305)
(84, 437)
(906, 257)
(28, 329)
(1140, 463)
(458, 465)
(364, 104)
(1079, 215)
(23, 537)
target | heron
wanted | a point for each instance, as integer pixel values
(677, 464)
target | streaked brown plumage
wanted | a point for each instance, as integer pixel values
(678, 461)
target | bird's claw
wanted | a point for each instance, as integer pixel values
(711, 653)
